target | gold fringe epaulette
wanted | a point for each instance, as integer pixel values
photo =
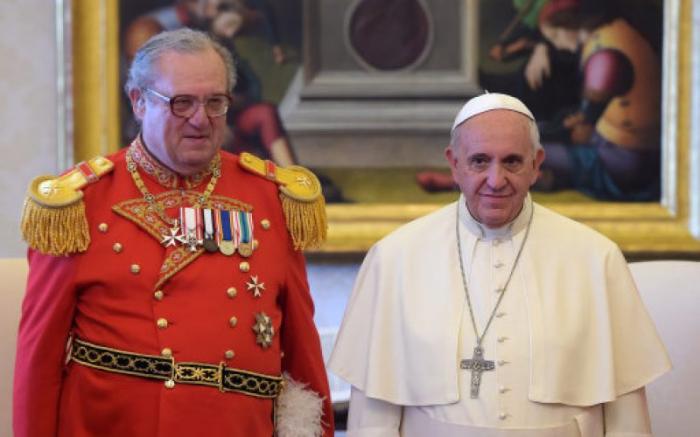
(53, 220)
(302, 199)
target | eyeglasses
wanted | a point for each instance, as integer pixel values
(185, 106)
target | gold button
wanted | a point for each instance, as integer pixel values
(265, 223)
(167, 352)
(244, 266)
(170, 384)
(159, 295)
(162, 323)
(117, 247)
(229, 354)
(256, 243)
(135, 269)
(232, 292)
(233, 321)
(103, 227)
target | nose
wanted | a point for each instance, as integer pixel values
(200, 117)
(496, 177)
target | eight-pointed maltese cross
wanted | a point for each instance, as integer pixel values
(173, 238)
(255, 286)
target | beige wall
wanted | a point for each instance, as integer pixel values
(28, 146)
(28, 108)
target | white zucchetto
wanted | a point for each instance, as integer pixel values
(488, 102)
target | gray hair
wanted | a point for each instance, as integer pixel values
(185, 40)
(534, 135)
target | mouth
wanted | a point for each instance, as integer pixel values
(495, 195)
(196, 137)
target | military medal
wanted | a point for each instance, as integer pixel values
(173, 238)
(227, 246)
(264, 330)
(209, 240)
(245, 228)
(192, 224)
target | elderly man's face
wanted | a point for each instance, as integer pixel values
(494, 164)
(185, 145)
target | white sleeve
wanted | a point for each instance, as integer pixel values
(371, 417)
(628, 416)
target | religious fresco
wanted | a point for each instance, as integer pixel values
(590, 70)
(521, 52)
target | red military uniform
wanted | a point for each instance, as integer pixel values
(129, 292)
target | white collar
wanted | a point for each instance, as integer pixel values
(481, 232)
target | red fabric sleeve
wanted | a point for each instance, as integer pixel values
(47, 314)
(300, 342)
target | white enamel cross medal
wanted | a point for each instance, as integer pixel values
(477, 365)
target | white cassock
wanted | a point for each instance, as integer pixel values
(570, 334)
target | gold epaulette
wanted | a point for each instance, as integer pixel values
(53, 220)
(302, 200)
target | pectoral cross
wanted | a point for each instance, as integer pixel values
(477, 365)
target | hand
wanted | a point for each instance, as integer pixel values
(538, 66)
(496, 52)
(278, 55)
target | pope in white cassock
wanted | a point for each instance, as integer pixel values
(494, 316)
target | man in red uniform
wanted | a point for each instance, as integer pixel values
(167, 294)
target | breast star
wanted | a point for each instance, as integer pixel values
(264, 330)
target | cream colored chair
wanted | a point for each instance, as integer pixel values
(671, 292)
(13, 274)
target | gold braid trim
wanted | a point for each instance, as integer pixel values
(306, 221)
(55, 231)
(302, 200)
(53, 220)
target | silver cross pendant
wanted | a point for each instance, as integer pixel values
(477, 364)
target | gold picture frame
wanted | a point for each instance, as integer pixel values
(669, 228)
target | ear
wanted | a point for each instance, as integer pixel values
(451, 156)
(536, 163)
(138, 104)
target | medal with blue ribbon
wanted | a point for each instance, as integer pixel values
(245, 222)
(227, 245)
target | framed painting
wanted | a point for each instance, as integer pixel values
(669, 227)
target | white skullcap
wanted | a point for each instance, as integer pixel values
(488, 102)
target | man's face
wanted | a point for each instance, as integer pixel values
(494, 164)
(185, 145)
